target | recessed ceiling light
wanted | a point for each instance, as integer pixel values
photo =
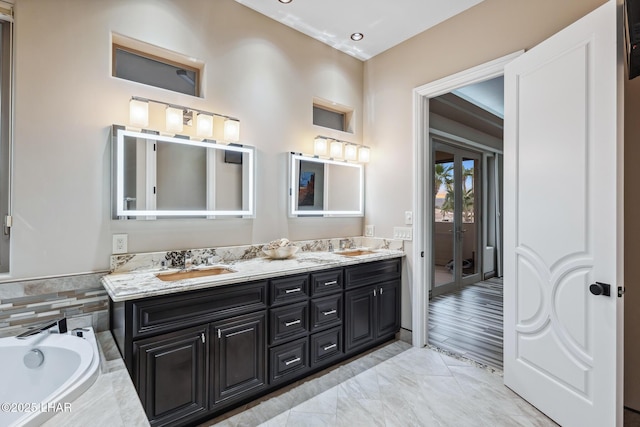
(356, 37)
(285, 1)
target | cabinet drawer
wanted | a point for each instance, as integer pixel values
(326, 311)
(289, 360)
(372, 272)
(326, 282)
(289, 289)
(326, 346)
(288, 322)
(176, 311)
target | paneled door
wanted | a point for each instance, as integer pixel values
(456, 218)
(563, 223)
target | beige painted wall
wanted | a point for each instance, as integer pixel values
(260, 71)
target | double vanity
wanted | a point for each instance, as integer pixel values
(198, 343)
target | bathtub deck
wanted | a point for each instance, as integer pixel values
(111, 401)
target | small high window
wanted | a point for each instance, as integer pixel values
(154, 70)
(333, 116)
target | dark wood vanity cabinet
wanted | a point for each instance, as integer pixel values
(372, 304)
(196, 354)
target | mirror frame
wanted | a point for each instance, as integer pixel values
(120, 132)
(293, 187)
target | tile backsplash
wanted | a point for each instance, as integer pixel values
(80, 298)
(221, 255)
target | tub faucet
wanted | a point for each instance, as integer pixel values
(58, 326)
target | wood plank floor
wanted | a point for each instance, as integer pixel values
(468, 322)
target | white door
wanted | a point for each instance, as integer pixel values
(563, 223)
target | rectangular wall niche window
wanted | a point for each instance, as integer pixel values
(152, 70)
(332, 115)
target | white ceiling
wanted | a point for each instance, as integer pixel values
(384, 23)
(488, 95)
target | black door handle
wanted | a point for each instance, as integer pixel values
(599, 288)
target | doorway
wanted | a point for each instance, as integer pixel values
(422, 270)
(456, 235)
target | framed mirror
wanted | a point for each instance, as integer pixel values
(325, 187)
(157, 176)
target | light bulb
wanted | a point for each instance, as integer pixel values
(364, 154)
(138, 113)
(174, 119)
(231, 130)
(320, 146)
(204, 125)
(350, 152)
(336, 149)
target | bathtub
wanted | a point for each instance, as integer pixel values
(68, 366)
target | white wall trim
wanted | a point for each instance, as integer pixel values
(422, 204)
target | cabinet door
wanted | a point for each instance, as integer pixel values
(238, 361)
(388, 308)
(171, 374)
(359, 317)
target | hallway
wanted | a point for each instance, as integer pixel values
(468, 322)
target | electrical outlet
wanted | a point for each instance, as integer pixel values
(403, 233)
(119, 244)
(369, 230)
(408, 218)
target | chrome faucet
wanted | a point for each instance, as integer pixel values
(345, 244)
(330, 247)
(188, 262)
(58, 326)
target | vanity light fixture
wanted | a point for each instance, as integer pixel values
(176, 116)
(364, 154)
(138, 113)
(341, 150)
(204, 125)
(356, 37)
(285, 1)
(320, 146)
(350, 152)
(335, 150)
(231, 130)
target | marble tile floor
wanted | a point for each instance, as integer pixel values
(394, 385)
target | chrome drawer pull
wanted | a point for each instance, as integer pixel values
(289, 362)
(326, 313)
(295, 322)
(290, 291)
(329, 347)
(333, 282)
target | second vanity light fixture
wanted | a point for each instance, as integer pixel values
(336, 149)
(176, 116)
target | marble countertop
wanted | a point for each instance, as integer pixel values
(137, 284)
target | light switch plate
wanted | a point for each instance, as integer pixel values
(403, 233)
(408, 218)
(369, 230)
(119, 244)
